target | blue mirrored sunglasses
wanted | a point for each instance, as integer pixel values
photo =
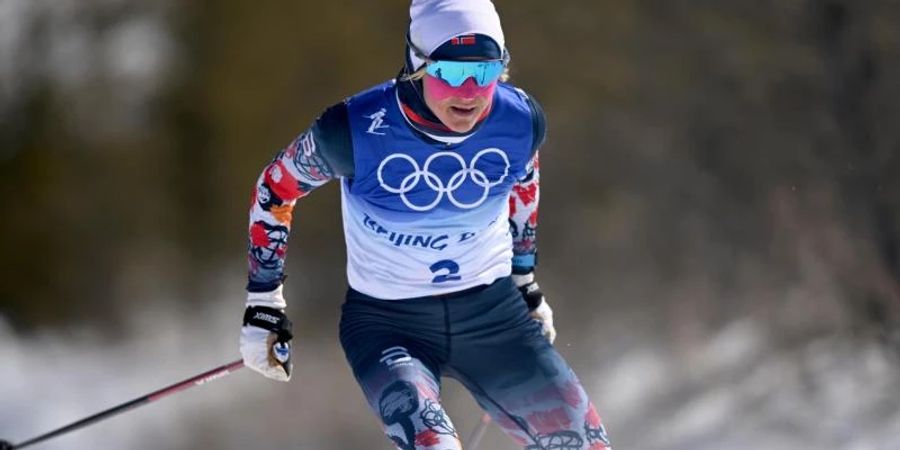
(455, 73)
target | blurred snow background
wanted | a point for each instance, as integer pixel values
(720, 234)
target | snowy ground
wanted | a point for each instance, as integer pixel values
(735, 393)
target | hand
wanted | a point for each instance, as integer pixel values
(266, 339)
(538, 307)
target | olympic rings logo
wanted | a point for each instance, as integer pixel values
(466, 171)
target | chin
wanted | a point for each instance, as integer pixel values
(461, 123)
(461, 128)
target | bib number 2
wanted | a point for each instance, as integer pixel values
(448, 265)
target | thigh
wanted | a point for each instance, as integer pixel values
(394, 349)
(534, 396)
(404, 393)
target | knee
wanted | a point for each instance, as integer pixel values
(570, 428)
(398, 401)
(594, 431)
(414, 419)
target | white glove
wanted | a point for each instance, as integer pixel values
(544, 315)
(537, 304)
(266, 335)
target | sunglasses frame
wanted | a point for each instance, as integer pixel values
(428, 61)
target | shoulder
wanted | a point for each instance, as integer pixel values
(374, 93)
(538, 118)
(331, 132)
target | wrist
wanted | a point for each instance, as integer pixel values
(523, 279)
(271, 299)
(270, 319)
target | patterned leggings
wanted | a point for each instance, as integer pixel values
(399, 349)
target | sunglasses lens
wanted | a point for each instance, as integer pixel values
(491, 73)
(455, 73)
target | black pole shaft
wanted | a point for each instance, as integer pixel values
(197, 380)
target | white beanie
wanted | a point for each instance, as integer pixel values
(433, 22)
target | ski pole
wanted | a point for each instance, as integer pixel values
(477, 433)
(197, 380)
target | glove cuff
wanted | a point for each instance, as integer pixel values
(530, 290)
(271, 299)
(269, 319)
(523, 279)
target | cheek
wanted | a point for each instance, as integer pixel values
(438, 90)
(474, 90)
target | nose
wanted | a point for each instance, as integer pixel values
(470, 89)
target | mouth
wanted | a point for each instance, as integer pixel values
(461, 111)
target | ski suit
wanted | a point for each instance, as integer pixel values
(434, 228)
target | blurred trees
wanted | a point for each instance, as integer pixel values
(709, 158)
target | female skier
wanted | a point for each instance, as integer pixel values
(439, 186)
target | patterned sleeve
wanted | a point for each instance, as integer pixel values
(523, 200)
(322, 153)
(523, 211)
(294, 173)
